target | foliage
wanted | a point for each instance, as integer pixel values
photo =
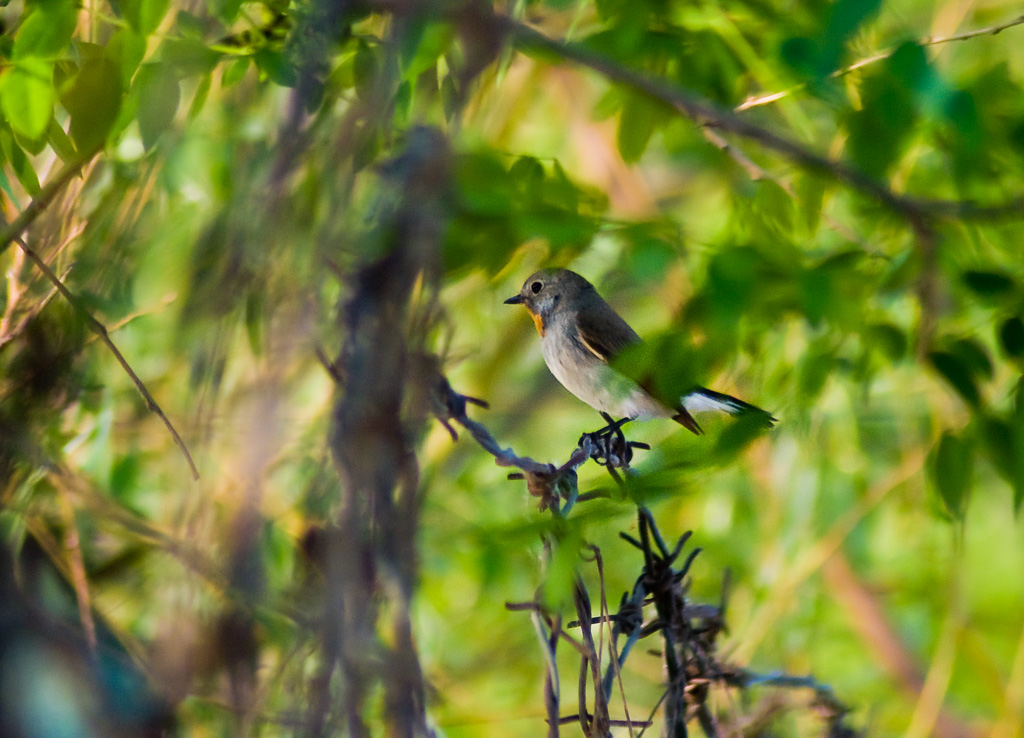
(813, 205)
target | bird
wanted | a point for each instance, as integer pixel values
(580, 336)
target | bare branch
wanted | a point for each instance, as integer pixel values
(770, 97)
(101, 332)
(705, 113)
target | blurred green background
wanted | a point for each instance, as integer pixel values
(242, 177)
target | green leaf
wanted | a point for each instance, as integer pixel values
(46, 32)
(144, 15)
(27, 97)
(740, 433)
(364, 67)
(955, 371)
(60, 142)
(226, 10)
(888, 339)
(637, 123)
(814, 369)
(952, 466)
(973, 355)
(128, 49)
(276, 67)
(235, 71)
(200, 95)
(94, 102)
(423, 47)
(844, 17)
(1011, 337)
(889, 110)
(802, 55)
(526, 174)
(5, 186)
(20, 163)
(989, 284)
(188, 56)
(157, 88)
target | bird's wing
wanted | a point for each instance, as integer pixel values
(604, 333)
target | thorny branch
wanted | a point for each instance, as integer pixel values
(689, 630)
(549, 483)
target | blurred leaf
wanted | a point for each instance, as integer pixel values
(609, 104)
(255, 307)
(124, 477)
(1011, 337)
(802, 55)
(188, 24)
(364, 67)
(157, 88)
(959, 375)
(844, 18)
(27, 96)
(423, 44)
(235, 71)
(988, 283)
(814, 370)
(144, 15)
(973, 355)
(892, 99)
(527, 175)
(639, 119)
(741, 431)
(20, 163)
(60, 142)
(93, 102)
(226, 10)
(46, 31)
(200, 96)
(483, 184)
(951, 465)
(276, 67)
(888, 339)
(649, 255)
(189, 57)
(127, 48)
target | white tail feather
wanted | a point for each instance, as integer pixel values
(701, 401)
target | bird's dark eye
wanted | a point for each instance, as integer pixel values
(536, 287)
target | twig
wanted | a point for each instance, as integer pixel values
(770, 97)
(706, 113)
(550, 642)
(707, 721)
(101, 331)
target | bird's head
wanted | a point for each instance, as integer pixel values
(546, 292)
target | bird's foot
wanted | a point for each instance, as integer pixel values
(608, 446)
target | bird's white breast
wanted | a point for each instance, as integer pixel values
(594, 382)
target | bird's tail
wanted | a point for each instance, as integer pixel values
(702, 399)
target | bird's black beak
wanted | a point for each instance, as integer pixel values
(517, 300)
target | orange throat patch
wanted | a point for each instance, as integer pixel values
(539, 323)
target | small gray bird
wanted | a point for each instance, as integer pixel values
(580, 334)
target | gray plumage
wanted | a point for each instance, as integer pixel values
(581, 333)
